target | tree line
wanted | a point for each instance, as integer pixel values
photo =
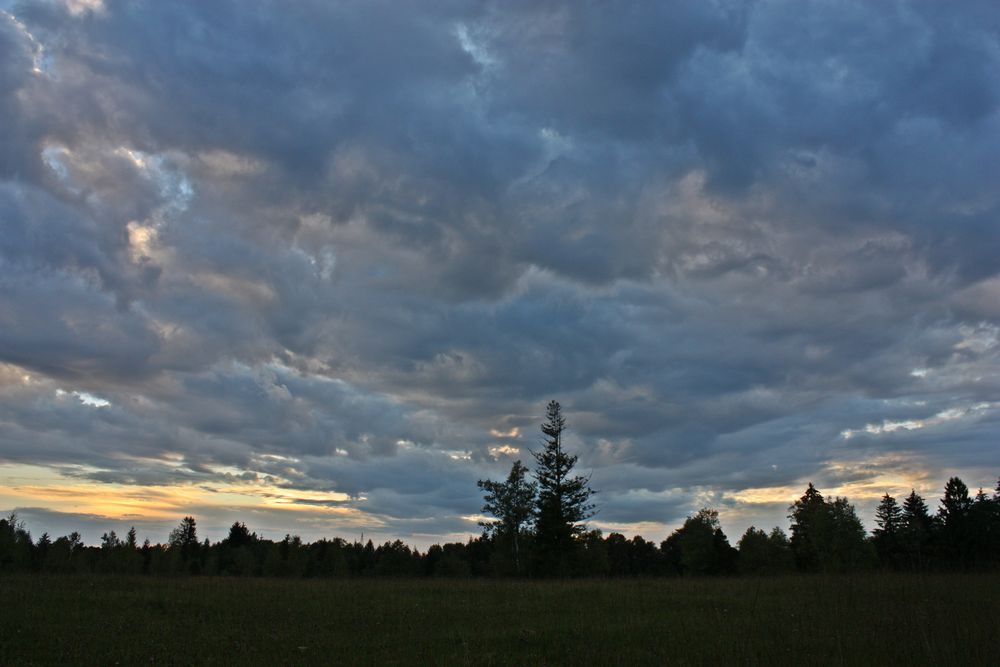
(537, 528)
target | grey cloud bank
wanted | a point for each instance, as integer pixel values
(327, 248)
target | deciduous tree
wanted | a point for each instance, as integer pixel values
(512, 502)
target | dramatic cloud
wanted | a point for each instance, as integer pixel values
(318, 266)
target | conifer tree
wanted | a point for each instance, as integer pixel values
(955, 503)
(827, 535)
(915, 528)
(954, 545)
(980, 526)
(809, 516)
(888, 516)
(889, 519)
(563, 500)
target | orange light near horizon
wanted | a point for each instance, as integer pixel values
(37, 486)
(894, 474)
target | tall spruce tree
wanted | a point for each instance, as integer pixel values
(954, 544)
(563, 500)
(888, 516)
(956, 503)
(889, 519)
(915, 530)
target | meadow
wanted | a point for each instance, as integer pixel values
(821, 620)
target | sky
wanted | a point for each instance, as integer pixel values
(319, 266)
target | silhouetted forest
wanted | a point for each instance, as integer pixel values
(826, 536)
(538, 530)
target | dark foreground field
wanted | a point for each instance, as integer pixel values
(871, 620)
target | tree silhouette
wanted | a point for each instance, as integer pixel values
(512, 502)
(844, 547)
(110, 540)
(889, 520)
(563, 500)
(185, 534)
(59, 556)
(888, 516)
(915, 530)
(953, 516)
(763, 553)
(809, 514)
(980, 528)
(955, 503)
(828, 535)
(16, 547)
(41, 551)
(184, 543)
(700, 547)
(239, 535)
(994, 539)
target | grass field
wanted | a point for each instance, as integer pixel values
(860, 620)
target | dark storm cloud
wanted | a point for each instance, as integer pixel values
(341, 247)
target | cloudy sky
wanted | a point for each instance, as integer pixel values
(319, 266)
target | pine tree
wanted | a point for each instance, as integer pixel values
(956, 502)
(563, 500)
(888, 518)
(980, 526)
(915, 529)
(953, 516)
(809, 516)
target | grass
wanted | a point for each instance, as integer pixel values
(858, 620)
